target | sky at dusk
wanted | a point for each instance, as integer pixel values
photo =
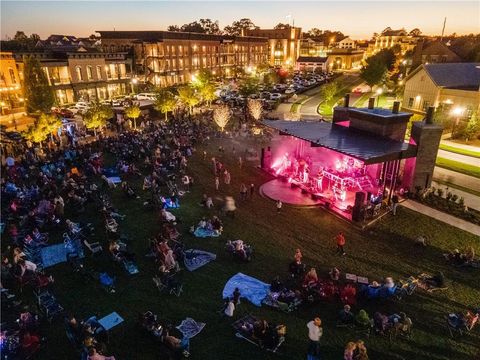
(359, 19)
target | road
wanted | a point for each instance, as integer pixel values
(453, 177)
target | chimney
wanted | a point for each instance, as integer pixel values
(396, 107)
(429, 116)
(346, 100)
(371, 103)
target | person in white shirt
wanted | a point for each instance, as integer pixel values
(229, 308)
(315, 332)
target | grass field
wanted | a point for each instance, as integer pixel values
(385, 250)
(460, 167)
(461, 151)
(345, 84)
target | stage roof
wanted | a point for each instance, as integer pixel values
(369, 148)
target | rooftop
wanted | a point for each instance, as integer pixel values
(455, 75)
(312, 59)
(369, 148)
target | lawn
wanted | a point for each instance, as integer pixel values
(346, 84)
(385, 250)
(460, 167)
(461, 151)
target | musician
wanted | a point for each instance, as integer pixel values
(320, 180)
(305, 173)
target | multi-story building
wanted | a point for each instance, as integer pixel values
(390, 38)
(346, 43)
(311, 47)
(456, 85)
(166, 58)
(344, 59)
(427, 52)
(283, 44)
(78, 73)
(10, 85)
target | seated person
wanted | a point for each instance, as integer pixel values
(94, 355)
(372, 290)
(217, 224)
(147, 182)
(388, 288)
(260, 328)
(437, 280)
(167, 216)
(345, 316)
(128, 190)
(381, 322)
(311, 278)
(170, 262)
(404, 323)
(348, 294)
(296, 268)
(362, 319)
(176, 344)
(120, 254)
(209, 203)
(472, 318)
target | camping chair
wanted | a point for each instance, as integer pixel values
(168, 284)
(93, 247)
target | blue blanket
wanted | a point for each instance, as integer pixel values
(250, 288)
(195, 259)
(111, 172)
(203, 233)
(53, 255)
(189, 328)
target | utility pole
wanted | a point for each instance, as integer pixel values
(443, 29)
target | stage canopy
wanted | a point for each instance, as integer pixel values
(369, 148)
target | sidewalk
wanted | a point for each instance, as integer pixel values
(441, 216)
(454, 177)
(460, 146)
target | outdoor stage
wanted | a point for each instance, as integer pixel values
(277, 189)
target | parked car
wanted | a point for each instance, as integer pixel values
(275, 96)
(146, 96)
(63, 112)
(290, 91)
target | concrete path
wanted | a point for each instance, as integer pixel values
(461, 146)
(471, 200)
(456, 178)
(459, 157)
(441, 216)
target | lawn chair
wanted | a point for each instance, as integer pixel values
(168, 284)
(93, 247)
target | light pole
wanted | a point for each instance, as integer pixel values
(134, 82)
(379, 92)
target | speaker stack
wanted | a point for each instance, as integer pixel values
(358, 206)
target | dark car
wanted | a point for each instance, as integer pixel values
(64, 113)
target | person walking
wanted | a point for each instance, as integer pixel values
(243, 192)
(217, 183)
(340, 239)
(227, 177)
(252, 190)
(279, 206)
(315, 332)
(394, 203)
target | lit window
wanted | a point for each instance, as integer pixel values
(13, 79)
(99, 72)
(78, 71)
(89, 72)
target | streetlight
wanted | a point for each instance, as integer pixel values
(379, 92)
(457, 112)
(134, 82)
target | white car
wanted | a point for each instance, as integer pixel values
(275, 96)
(146, 96)
(73, 109)
(290, 91)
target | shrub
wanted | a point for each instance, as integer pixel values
(448, 196)
(461, 202)
(440, 192)
(454, 198)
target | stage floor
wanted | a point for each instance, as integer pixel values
(281, 190)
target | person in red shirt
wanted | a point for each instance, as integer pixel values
(340, 238)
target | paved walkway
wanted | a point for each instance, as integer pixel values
(441, 216)
(461, 146)
(456, 178)
(459, 157)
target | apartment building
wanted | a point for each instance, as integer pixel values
(283, 44)
(390, 38)
(10, 85)
(167, 58)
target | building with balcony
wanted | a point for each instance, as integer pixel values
(10, 85)
(283, 44)
(312, 47)
(78, 73)
(390, 38)
(456, 85)
(166, 58)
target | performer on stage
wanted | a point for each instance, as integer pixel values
(305, 173)
(320, 180)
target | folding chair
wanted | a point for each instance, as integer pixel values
(93, 247)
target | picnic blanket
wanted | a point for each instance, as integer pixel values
(195, 259)
(189, 327)
(250, 288)
(110, 172)
(131, 267)
(203, 233)
(56, 254)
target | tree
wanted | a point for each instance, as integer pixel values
(38, 132)
(373, 72)
(221, 116)
(194, 27)
(188, 96)
(207, 92)
(96, 116)
(133, 112)
(38, 93)
(314, 32)
(175, 28)
(51, 123)
(210, 27)
(238, 26)
(248, 86)
(255, 107)
(415, 32)
(280, 26)
(165, 102)
(328, 91)
(473, 126)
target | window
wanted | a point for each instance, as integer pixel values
(426, 104)
(89, 72)
(99, 72)
(78, 71)
(13, 79)
(410, 102)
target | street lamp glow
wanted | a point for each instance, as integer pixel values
(457, 111)
(379, 91)
(404, 62)
(134, 81)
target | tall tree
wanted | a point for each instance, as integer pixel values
(207, 92)
(221, 116)
(133, 112)
(194, 27)
(51, 123)
(38, 131)
(210, 26)
(96, 116)
(175, 28)
(473, 126)
(165, 102)
(238, 26)
(282, 26)
(373, 72)
(38, 93)
(255, 108)
(329, 90)
(188, 96)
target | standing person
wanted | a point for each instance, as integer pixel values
(252, 189)
(240, 162)
(243, 192)
(236, 296)
(340, 239)
(394, 204)
(229, 307)
(217, 183)
(315, 332)
(227, 177)
(298, 256)
(279, 205)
